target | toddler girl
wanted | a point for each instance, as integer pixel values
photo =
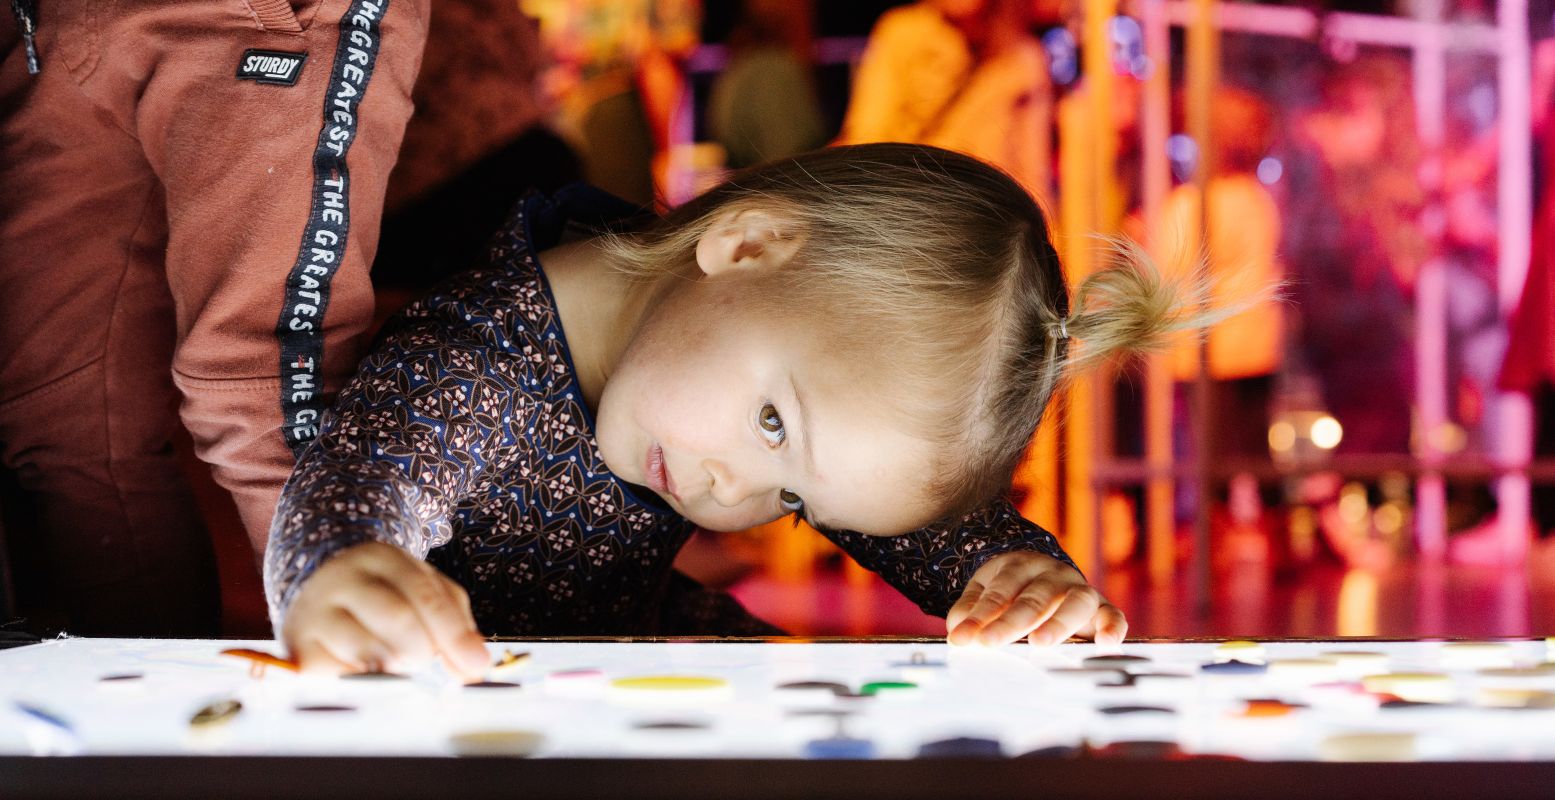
(864, 337)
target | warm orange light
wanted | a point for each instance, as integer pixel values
(1449, 438)
(1353, 507)
(1389, 519)
(1326, 432)
(1358, 604)
(1282, 436)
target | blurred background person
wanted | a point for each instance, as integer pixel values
(1354, 244)
(617, 76)
(763, 105)
(966, 75)
(1241, 260)
(1530, 359)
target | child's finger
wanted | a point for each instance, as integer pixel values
(1110, 624)
(993, 598)
(1031, 608)
(973, 591)
(465, 649)
(384, 610)
(1014, 569)
(451, 631)
(958, 612)
(446, 626)
(313, 657)
(1078, 606)
(347, 642)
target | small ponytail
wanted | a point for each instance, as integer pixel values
(1130, 308)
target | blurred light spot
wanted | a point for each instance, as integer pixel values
(1140, 67)
(1394, 485)
(1128, 44)
(1353, 507)
(1184, 154)
(1282, 436)
(1270, 170)
(1358, 604)
(1389, 519)
(1482, 105)
(1326, 432)
(1303, 533)
(1062, 55)
(1126, 32)
(1449, 437)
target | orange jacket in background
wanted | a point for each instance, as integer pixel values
(918, 82)
(1244, 237)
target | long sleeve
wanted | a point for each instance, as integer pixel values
(932, 565)
(429, 413)
(271, 128)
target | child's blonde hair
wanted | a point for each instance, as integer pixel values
(947, 262)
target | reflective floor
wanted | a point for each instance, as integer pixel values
(1405, 600)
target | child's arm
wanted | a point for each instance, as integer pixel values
(409, 436)
(1008, 574)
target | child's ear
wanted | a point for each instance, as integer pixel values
(748, 239)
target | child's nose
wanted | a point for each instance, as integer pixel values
(728, 488)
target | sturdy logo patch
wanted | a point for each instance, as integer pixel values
(270, 66)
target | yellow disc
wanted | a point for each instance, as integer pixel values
(1477, 654)
(1359, 662)
(1368, 747)
(218, 713)
(509, 660)
(1416, 687)
(1306, 669)
(496, 743)
(1538, 673)
(1239, 650)
(1515, 698)
(670, 683)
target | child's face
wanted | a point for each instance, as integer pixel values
(734, 410)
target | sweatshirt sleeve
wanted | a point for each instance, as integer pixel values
(932, 565)
(271, 128)
(428, 415)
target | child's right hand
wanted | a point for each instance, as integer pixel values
(373, 607)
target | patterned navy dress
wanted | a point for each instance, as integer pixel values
(464, 439)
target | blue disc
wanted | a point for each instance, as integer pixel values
(840, 747)
(1234, 668)
(962, 747)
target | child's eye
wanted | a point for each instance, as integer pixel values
(792, 503)
(772, 425)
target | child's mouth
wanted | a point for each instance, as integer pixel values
(658, 474)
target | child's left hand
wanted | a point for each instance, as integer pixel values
(1032, 595)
